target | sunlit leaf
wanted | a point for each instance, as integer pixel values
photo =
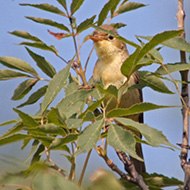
(28, 121)
(135, 109)
(9, 74)
(42, 63)
(23, 89)
(156, 40)
(129, 7)
(15, 63)
(57, 83)
(61, 141)
(34, 97)
(123, 140)
(25, 35)
(175, 43)
(153, 82)
(172, 67)
(104, 12)
(153, 136)
(85, 24)
(89, 137)
(40, 45)
(45, 7)
(12, 139)
(48, 22)
(75, 5)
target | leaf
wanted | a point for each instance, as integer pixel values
(63, 3)
(116, 2)
(73, 123)
(12, 139)
(153, 82)
(49, 22)
(129, 64)
(118, 25)
(129, 7)
(89, 137)
(57, 83)
(15, 63)
(85, 24)
(172, 67)
(156, 40)
(37, 154)
(175, 43)
(42, 63)
(135, 109)
(75, 5)
(59, 36)
(122, 140)
(23, 89)
(16, 128)
(34, 97)
(8, 122)
(45, 7)
(28, 121)
(74, 102)
(26, 35)
(9, 74)
(153, 136)
(40, 45)
(61, 141)
(104, 12)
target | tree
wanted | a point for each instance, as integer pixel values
(77, 123)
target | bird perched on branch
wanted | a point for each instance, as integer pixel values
(111, 54)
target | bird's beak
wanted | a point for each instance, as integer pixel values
(95, 38)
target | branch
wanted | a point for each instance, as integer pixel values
(184, 75)
(133, 176)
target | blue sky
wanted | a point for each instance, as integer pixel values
(157, 17)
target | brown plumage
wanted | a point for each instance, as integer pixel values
(111, 54)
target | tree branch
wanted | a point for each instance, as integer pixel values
(184, 75)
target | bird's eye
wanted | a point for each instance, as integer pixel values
(111, 37)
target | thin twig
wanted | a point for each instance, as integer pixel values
(84, 167)
(88, 58)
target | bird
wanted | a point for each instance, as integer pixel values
(111, 53)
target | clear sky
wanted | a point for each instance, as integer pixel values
(158, 16)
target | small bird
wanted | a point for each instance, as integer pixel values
(111, 54)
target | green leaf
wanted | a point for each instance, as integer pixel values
(172, 67)
(34, 97)
(129, 7)
(9, 74)
(85, 24)
(135, 109)
(89, 137)
(153, 136)
(40, 45)
(61, 141)
(54, 116)
(116, 2)
(15, 63)
(37, 154)
(74, 103)
(118, 25)
(23, 89)
(63, 3)
(75, 5)
(28, 121)
(42, 63)
(8, 122)
(73, 123)
(129, 64)
(57, 83)
(12, 139)
(104, 12)
(122, 140)
(153, 82)
(110, 90)
(156, 40)
(16, 128)
(49, 22)
(45, 7)
(175, 43)
(26, 35)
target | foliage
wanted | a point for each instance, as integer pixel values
(77, 122)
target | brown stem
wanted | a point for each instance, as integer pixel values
(185, 112)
